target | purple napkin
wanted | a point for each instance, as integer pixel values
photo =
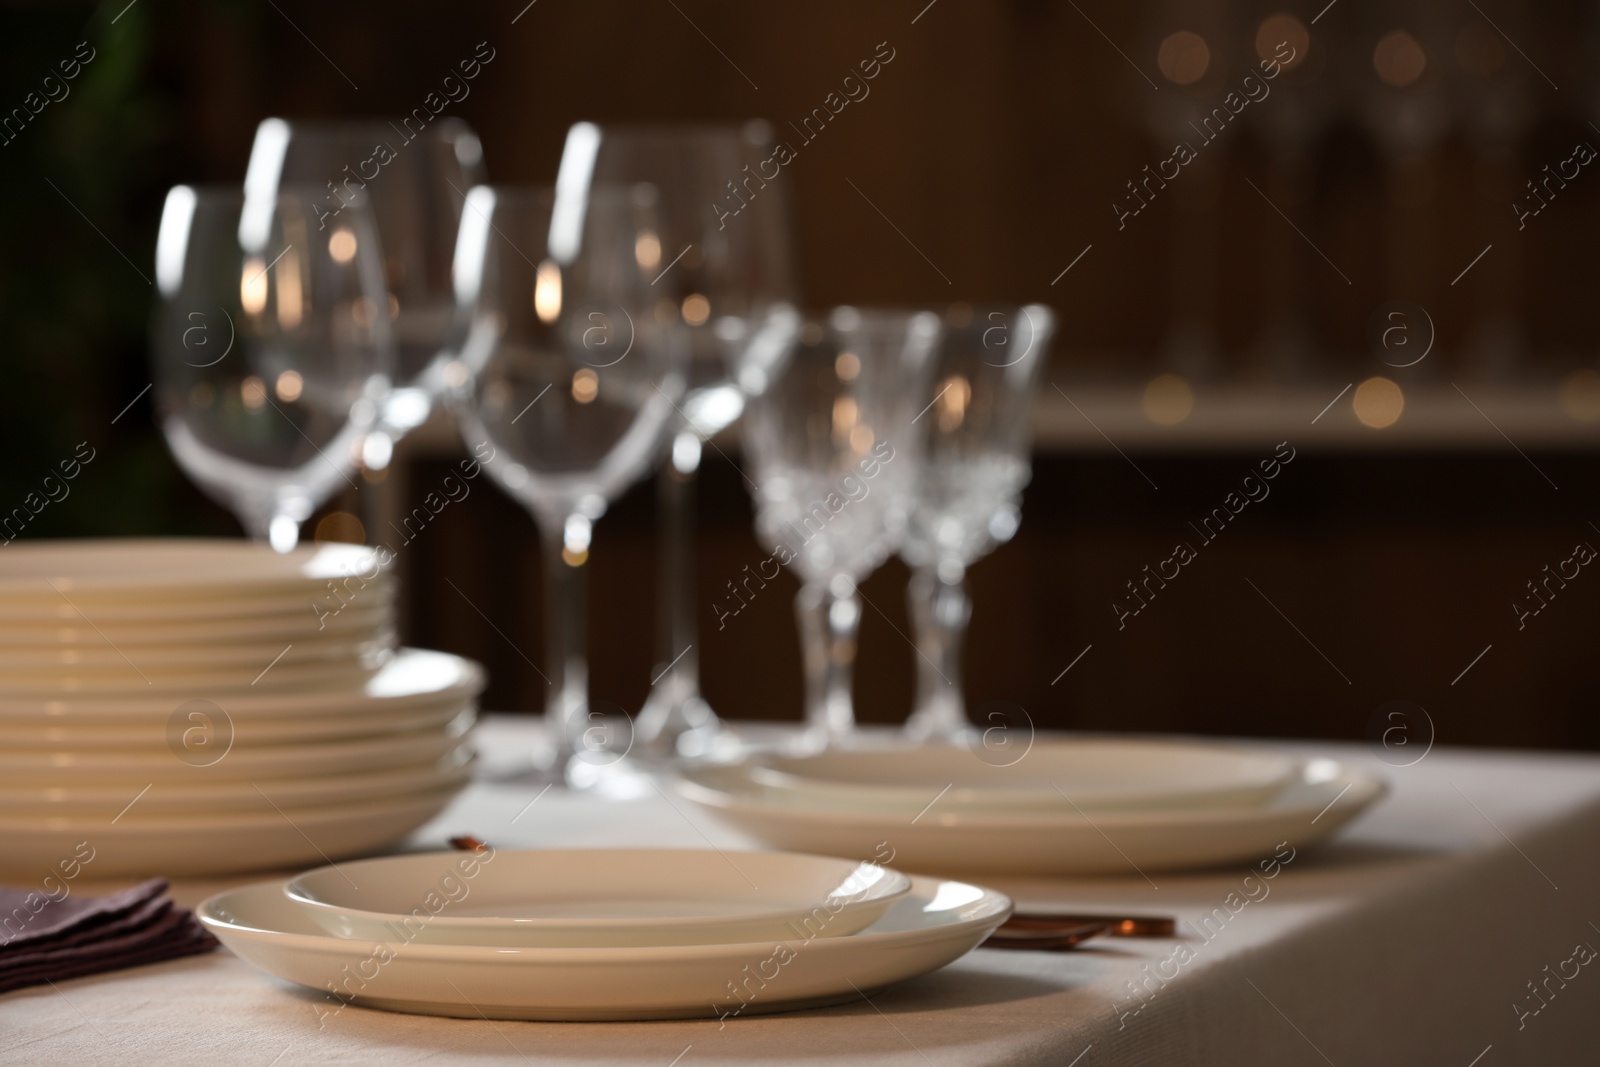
(44, 939)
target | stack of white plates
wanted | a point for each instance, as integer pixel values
(1065, 806)
(602, 934)
(182, 707)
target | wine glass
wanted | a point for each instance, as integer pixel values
(836, 454)
(572, 382)
(414, 180)
(271, 353)
(968, 495)
(722, 271)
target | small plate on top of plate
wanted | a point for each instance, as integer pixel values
(1087, 773)
(933, 925)
(597, 898)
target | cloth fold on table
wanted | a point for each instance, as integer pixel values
(45, 938)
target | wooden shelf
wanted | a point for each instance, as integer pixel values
(1097, 417)
(1436, 417)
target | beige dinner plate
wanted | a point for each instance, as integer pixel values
(1324, 796)
(165, 731)
(214, 761)
(936, 923)
(168, 846)
(603, 897)
(131, 569)
(176, 683)
(294, 620)
(1086, 773)
(189, 656)
(413, 678)
(206, 797)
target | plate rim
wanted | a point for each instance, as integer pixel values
(1000, 903)
(1366, 785)
(304, 900)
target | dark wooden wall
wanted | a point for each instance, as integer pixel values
(1399, 571)
(994, 143)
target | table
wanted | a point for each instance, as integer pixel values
(1415, 938)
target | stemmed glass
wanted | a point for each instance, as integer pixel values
(414, 180)
(722, 273)
(968, 494)
(271, 352)
(836, 454)
(570, 390)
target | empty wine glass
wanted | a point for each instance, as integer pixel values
(569, 389)
(722, 271)
(271, 353)
(836, 453)
(414, 180)
(968, 493)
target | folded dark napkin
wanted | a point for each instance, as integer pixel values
(45, 938)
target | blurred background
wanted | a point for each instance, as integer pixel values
(1380, 255)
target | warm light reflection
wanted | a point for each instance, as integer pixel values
(1184, 57)
(547, 292)
(1399, 59)
(955, 393)
(1280, 29)
(696, 309)
(1580, 396)
(342, 246)
(1378, 403)
(290, 296)
(288, 386)
(253, 391)
(845, 416)
(847, 365)
(253, 285)
(585, 385)
(861, 438)
(1168, 400)
(340, 526)
(575, 538)
(647, 250)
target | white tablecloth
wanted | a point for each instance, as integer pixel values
(1413, 939)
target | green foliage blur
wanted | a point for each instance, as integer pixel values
(81, 184)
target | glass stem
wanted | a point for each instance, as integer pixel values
(564, 622)
(940, 611)
(674, 706)
(829, 624)
(270, 524)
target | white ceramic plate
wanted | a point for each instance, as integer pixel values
(361, 621)
(137, 846)
(80, 769)
(158, 733)
(601, 898)
(208, 797)
(167, 568)
(316, 604)
(1094, 773)
(413, 678)
(211, 681)
(934, 925)
(1324, 797)
(191, 657)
